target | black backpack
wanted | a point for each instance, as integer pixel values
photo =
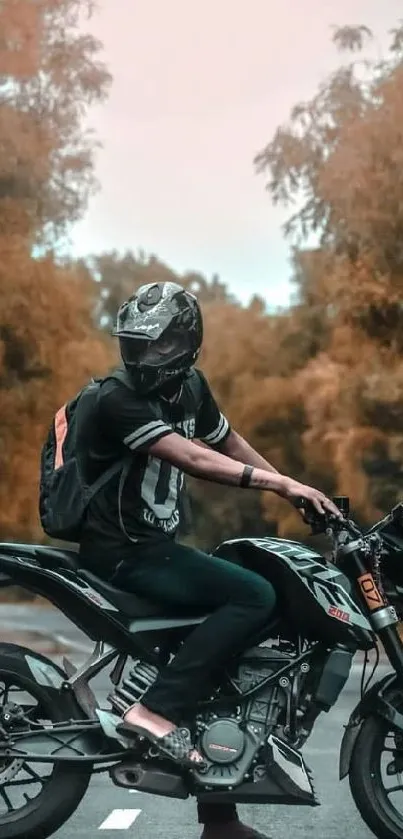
(64, 490)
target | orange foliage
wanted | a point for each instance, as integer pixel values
(48, 350)
(316, 388)
(48, 345)
(50, 74)
(343, 151)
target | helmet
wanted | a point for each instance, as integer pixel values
(160, 331)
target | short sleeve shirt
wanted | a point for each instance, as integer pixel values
(151, 497)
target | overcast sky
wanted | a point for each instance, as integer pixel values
(198, 89)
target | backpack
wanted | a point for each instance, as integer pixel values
(64, 488)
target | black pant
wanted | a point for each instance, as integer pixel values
(241, 603)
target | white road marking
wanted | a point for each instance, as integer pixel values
(120, 820)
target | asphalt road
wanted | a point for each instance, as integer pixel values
(109, 809)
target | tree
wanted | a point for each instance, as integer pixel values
(50, 73)
(341, 160)
(48, 350)
(117, 278)
(251, 359)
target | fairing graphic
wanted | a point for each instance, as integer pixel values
(329, 586)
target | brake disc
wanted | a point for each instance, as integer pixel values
(9, 768)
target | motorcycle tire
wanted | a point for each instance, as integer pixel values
(366, 783)
(61, 794)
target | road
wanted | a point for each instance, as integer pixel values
(109, 809)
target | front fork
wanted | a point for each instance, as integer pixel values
(381, 615)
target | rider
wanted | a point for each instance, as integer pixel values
(167, 407)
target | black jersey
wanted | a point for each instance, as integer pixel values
(150, 500)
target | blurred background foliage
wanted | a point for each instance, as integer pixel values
(317, 388)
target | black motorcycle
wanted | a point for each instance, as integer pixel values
(54, 735)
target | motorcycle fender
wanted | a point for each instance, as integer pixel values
(374, 703)
(31, 665)
(45, 672)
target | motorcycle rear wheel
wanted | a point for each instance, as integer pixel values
(66, 784)
(367, 786)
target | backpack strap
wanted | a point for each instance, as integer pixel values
(124, 464)
(107, 475)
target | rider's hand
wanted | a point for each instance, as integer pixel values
(293, 491)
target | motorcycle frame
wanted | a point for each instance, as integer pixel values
(99, 720)
(115, 638)
(118, 636)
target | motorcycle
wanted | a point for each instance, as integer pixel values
(250, 730)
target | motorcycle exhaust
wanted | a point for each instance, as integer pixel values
(148, 778)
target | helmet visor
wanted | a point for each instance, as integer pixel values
(166, 351)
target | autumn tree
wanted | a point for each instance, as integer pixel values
(340, 160)
(316, 388)
(48, 349)
(118, 276)
(50, 73)
(250, 379)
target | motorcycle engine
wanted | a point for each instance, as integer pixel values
(231, 742)
(231, 739)
(222, 740)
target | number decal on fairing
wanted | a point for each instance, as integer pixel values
(370, 592)
(334, 612)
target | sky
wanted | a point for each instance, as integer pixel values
(198, 90)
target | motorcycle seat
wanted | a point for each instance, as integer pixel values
(69, 560)
(127, 603)
(46, 555)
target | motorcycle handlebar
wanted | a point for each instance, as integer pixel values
(322, 522)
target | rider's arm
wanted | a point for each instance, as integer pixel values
(237, 448)
(201, 462)
(213, 430)
(226, 463)
(214, 466)
(138, 425)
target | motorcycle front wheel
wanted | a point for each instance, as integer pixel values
(376, 777)
(36, 798)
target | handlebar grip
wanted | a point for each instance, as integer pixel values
(302, 503)
(318, 522)
(342, 503)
